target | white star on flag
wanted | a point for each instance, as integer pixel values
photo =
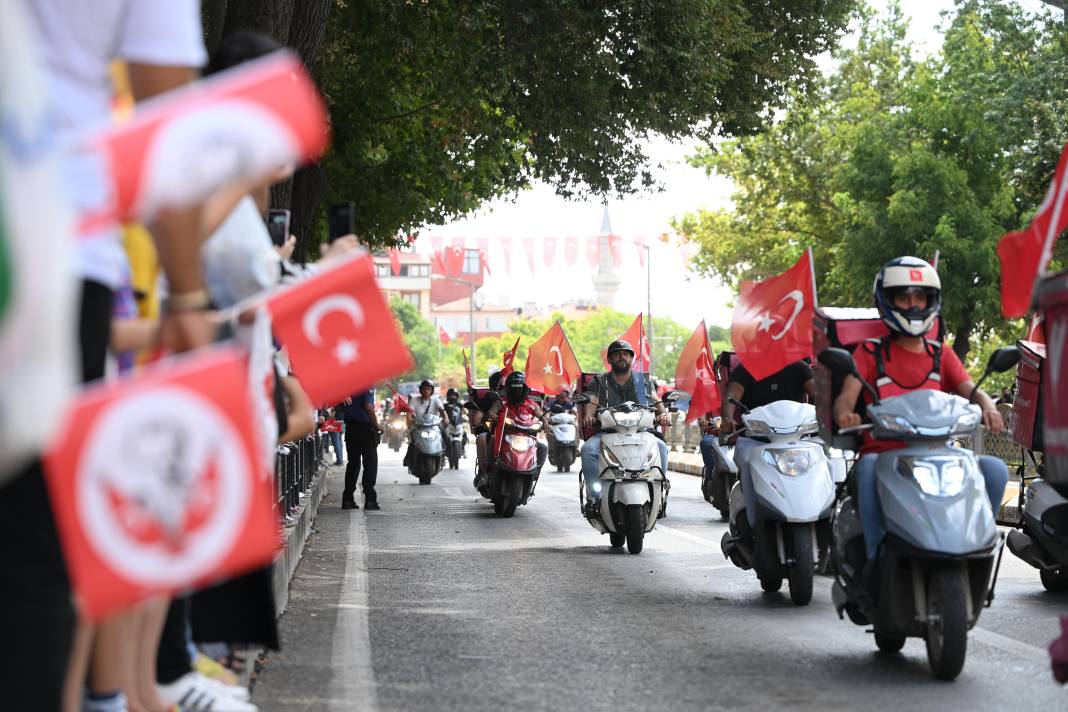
(548, 368)
(765, 322)
(346, 351)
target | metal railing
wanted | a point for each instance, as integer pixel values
(296, 465)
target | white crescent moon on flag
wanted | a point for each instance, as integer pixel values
(559, 360)
(798, 298)
(332, 303)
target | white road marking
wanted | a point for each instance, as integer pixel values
(353, 676)
(1011, 645)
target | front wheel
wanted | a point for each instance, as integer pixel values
(510, 498)
(801, 570)
(1055, 581)
(454, 459)
(947, 621)
(634, 520)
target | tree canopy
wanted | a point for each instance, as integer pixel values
(892, 156)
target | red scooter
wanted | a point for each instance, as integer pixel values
(513, 470)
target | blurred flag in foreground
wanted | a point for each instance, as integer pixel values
(696, 375)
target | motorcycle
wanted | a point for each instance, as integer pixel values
(632, 483)
(794, 494)
(454, 439)
(562, 438)
(395, 430)
(936, 569)
(512, 474)
(716, 483)
(428, 451)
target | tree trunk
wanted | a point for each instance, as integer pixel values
(309, 190)
(271, 17)
(213, 13)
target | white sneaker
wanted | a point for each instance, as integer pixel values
(194, 692)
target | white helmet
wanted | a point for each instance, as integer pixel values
(907, 273)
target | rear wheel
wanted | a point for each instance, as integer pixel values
(947, 622)
(634, 519)
(454, 458)
(801, 570)
(889, 643)
(617, 539)
(1055, 581)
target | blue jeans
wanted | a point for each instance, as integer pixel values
(591, 455)
(994, 472)
(339, 448)
(707, 454)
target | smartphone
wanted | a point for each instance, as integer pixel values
(278, 226)
(342, 218)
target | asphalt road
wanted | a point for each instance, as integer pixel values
(435, 603)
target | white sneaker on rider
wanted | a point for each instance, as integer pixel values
(194, 692)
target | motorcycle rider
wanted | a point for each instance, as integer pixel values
(612, 388)
(794, 382)
(561, 403)
(908, 295)
(516, 398)
(483, 404)
(425, 403)
(453, 409)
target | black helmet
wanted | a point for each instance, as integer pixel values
(516, 386)
(426, 383)
(495, 380)
(452, 392)
(620, 345)
(907, 274)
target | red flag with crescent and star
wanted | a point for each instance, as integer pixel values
(593, 250)
(443, 336)
(1025, 254)
(772, 322)
(551, 363)
(571, 250)
(156, 482)
(467, 370)
(400, 403)
(508, 357)
(394, 261)
(339, 331)
(549, 251)
(696, 375)
(528, 250)
(636, 336)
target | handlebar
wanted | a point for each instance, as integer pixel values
(855, 429)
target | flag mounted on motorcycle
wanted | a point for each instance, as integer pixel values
(508, 357)
(772, 322)
(551, 363)
(696, 375)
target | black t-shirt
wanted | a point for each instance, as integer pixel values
(787, 384)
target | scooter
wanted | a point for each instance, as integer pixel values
(562, 437)
(454, 438)
(428, 451)
(632, 483)
(395, 432)
(512, 474)
(716, 483)
(794, 495)
(936, 568)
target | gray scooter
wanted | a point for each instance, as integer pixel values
(936, 568)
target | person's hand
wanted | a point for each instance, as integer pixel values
(285, 251)
(702, 422)
(993, 421)
(588, 421)
(848, 420)
(726, 426)
(347, 401)
(339, 247)
(187, 330)
(664, 419)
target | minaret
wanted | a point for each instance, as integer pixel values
(607, 278)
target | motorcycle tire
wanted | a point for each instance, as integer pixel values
(770, 584)
(1054, 581)
(618, 539)
(634, 520)
(801, 570)
(947, 628)
(498, 505)
(425, 479)
(454, 462)
(510, 499)
(888, 643)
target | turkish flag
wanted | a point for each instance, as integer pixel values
(506, 253)
(1026, 254)
(549, 251)
(636, 336)
(696, 375)
(483, 254)
(467, 371)
(394, 261)
(772, 322)
(330, 425)
(339, 331)
(155, 482)
(443, 336)
(437, 262)
(436, 242)
(399, 403)
(454, 260)
(551, 362)
(185, 145)
(615, 248)
(641, 243)
(508, 357)
(528, 248)
(571, 250)
(593, 251)
(1036, 330)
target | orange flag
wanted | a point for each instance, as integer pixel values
(551, 362)
(695, 374)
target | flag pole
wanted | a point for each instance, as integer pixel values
(812, 270)
(649, 304)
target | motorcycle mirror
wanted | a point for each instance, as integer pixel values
(1003, 359)
(738, 404)
(580, 398)
(838, 361)
(670, 397)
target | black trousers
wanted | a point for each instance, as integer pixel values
(361, 444)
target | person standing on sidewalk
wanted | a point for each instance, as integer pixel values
(362, 435)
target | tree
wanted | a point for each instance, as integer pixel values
(894, 157)
(419, 335)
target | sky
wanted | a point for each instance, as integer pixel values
(539, 213)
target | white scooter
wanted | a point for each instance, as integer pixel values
(794, 494)
(562, 437)
(632, 483)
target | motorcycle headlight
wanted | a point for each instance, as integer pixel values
(426, 434)
(758, 427)
(966, 424)
(627, 420)
(936, 476)
(520, 443)
(895, 424)
(611, 459)
(792, 461)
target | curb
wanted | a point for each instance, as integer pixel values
(296, 535)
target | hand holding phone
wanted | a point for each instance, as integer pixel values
(278, 226)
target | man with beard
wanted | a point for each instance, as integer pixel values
(612, 388)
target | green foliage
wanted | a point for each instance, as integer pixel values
(890, 157)
(440, 105)
(420, 336)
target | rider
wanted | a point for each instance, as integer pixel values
(453, 410)
(483, 404)
(613, 388)
(793, 382)
(908, 295)
(561, 403)
(517, 399)
(426, 403)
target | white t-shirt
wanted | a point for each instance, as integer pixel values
(419, 405)
(78, 39)
(239, 258)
